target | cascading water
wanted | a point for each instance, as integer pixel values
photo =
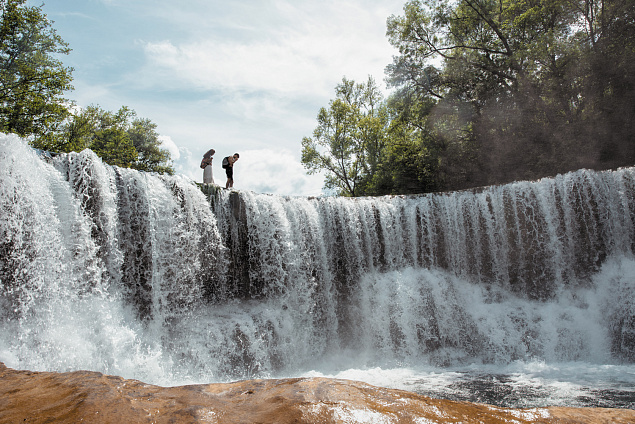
(146, 277)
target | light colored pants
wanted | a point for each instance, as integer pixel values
(208, 178)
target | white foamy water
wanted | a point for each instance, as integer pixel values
(517, 295)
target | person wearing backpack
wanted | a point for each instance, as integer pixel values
(228, 164)
(206, 165)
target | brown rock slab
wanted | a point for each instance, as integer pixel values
(91, 397)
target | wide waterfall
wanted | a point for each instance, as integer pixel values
(512, 294)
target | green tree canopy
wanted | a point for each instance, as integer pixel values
(348, 142)
(32, 79)
(531, 86)
(114, 146)
(32, 82)
(487, 92)
(119, 138)
(151, 156)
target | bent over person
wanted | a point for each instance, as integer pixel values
(206, 164)
(228, 164)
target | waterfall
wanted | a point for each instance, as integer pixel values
(148, 277)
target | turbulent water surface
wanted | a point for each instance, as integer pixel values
(515, 295)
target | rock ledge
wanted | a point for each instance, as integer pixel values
(91, 397)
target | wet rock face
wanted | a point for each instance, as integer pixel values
(39, 397)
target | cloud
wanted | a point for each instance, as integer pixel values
(170, 146)
(255, 74)
(304, 51)
(76, 14)
(275, 172)
(187, 164)
(261, 70)
(259, 67)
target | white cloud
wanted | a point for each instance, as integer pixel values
(275, 172)
(170, 146)
(306, 55)
(187, 164)
(260, 67)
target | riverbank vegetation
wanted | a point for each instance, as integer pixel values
(33, 81)
(485, 92)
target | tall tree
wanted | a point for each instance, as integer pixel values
(114, 146)
(119, 138)
(151, 156)
(608, 88)
(414, 153)
(349, 139)
(32, 79)
(530, 83)
(107, 135)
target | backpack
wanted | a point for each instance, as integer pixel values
(225, 161)
(204, 163)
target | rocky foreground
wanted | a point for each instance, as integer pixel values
(91, 397)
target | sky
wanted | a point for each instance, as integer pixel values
(246, 76)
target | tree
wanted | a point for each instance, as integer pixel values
(32, 80)
(105, 133)
(486, 47)
(349, 139)
(151, 157)
(114, 146)
(529, 85)
(608, 87)
(414, 153)
(119, 138)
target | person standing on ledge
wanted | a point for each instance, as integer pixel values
(206, 164)
(228, 164)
